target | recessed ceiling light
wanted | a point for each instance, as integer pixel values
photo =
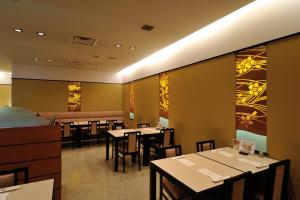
(49, 60)
(40, 33)
(132, 47)
(18, 30)
(118, 45)
(36, 59)
(112, 57)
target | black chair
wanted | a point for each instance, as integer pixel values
(277, 179)
(116, 126)
(93, 131)
(171, 151)
(11, 177)
(68, 132)
(130, 146)
(103, 128)
(205, 145)
(174, 191)
(143, 125)
(165, 139)
(238, 187)
(110, 123)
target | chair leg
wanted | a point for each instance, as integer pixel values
(112, 148)
(139, 157)
(72, 138)
(100, 139)
(123, 163)
(160, 188)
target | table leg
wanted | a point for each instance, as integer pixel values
(152, 183)
(78, 137)
(146, 151)
(116, 154)
(107, 145)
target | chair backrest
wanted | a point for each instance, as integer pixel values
(52, 121)
(11, 177)
(167, 137)
(111, 123)
(205, 145)
(238, 187)
(67, 129)
(171, 151)
(133, 141)
(93, 127)
(277, 180)
(143, 125)
(118, 126)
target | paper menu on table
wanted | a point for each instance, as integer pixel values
(214, 177)
(183, 160)
(225, 154)
(256, 164)
(3, 196)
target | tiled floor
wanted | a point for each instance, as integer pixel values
(86, 175)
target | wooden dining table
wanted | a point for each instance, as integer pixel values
(118, 135)
(191, 171)
(41, 190)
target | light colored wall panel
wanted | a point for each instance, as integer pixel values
(5, 95)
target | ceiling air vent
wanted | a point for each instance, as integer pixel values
(147, 27)
(84, 40)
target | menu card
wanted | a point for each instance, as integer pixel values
(247, 147)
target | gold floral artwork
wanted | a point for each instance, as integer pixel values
(251, 90)
(131, 97)
(74, 97)
(164, 95)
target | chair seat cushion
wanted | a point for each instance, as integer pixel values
(121, 148)
(177, 192)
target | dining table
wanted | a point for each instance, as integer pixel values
(203, 173)
(41, 190)
(118, 135)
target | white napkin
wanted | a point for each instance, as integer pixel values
(186, 162)
(256, 164)
(216, 150)
(3, 196)
(225, 154)
(183, 160)
(214, 177)
(177, 157)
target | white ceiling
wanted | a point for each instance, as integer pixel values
(110, 21)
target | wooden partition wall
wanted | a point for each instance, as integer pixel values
(38, 148)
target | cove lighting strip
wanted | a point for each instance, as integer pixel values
(200, 37)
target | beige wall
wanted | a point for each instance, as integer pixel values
(283, 104)
(146, 101)
(40, 95)
(52, 96)
(101, 97)
(202, 103)
(5, 95)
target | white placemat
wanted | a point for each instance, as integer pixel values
(256, 164)
(214, 177)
